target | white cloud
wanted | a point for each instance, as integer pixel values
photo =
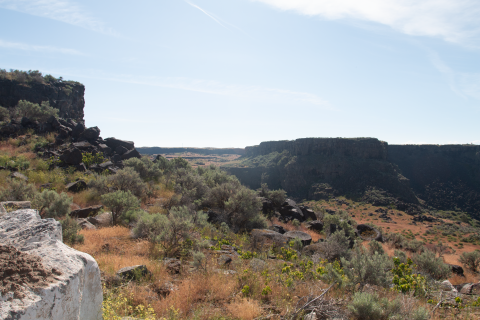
(29, 47)
(209, 87)
(61, 10)
(463, 84)
(452, 20)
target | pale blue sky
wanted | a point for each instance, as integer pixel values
(218, 73)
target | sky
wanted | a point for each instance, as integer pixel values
(218, 73)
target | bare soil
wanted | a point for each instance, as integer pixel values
(19, 270)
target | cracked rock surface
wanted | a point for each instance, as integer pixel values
(63, 283)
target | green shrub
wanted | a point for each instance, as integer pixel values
(173, 231)
(277, 197)
(16, 163)
(366, 268)
(365, 306)
(34, 111)
(120, 202)
(147, 169)
(375, 246)
(128, 180)
(70, 230)
(403, 279)
(337, 246)
(99, 183)
(342, 220)
(17, 190)
(429, 263)
(89, 158)
(471, 260)
(402, 256)
(52, 203)
(4, 114)
(243, 211)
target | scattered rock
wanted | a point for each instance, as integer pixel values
(85, 224)
(114, 143)
(101, 220)
(316, 248)
(91, 133)
(134, 272)
(365, 232)
(257, 264)
(86, 212)
(165, 288)
(76, 186)
(9, 206)
(18, 175)
(173, 266)
(457, 269)
(131, 154)
(304, 237)
(263, 238)
(315, 225)
(224, 259)
(72, 156)
(278, 229)
(447, 286)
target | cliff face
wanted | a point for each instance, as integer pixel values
(67, 96)
(313, 168)
(444, 177)
(447, 177)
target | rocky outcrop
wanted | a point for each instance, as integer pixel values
(319, 168)
(66, 96)
(74, 292)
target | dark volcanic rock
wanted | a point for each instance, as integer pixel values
(120, 150)
(304, 237)
(131, 154)
(457, 269)
(263, 238)
(133, 272)
(76, 186)
(91, 133)
(86, 212)
(316, 225)
(114, 143)
(278, 229)
(365, 232)
(72, 156)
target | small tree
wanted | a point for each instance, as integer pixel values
(471, 260)
(120, 202)
(70, 230)
(242, 209)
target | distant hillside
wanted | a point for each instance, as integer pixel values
(159, 150)
(66, 96)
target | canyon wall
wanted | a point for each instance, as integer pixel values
(66, 96)
(444, 177)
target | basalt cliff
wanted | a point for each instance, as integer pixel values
(66, 96)
(443, 177)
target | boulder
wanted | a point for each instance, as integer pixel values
(308, 214)
(85, 224)
(72, 156)
(18, 175)
(457, 269)
(91, 133)
(366, 232)
(131, 154)
(304, 237)
(267, 206)
(263, 238)
(114, 143)
(224, 259)
(105, 149)
(102, 220)
(134, 272)
(78, 130)
(83, 145)
(173, 266)
(447, 286)
(9, 206)
(76, 186)
(315, 225)
(75, 293)
(120, 150)
(278, 229)
(316, 248)
(86, 212)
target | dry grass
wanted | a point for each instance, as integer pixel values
(245, 309)
(85, 198)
